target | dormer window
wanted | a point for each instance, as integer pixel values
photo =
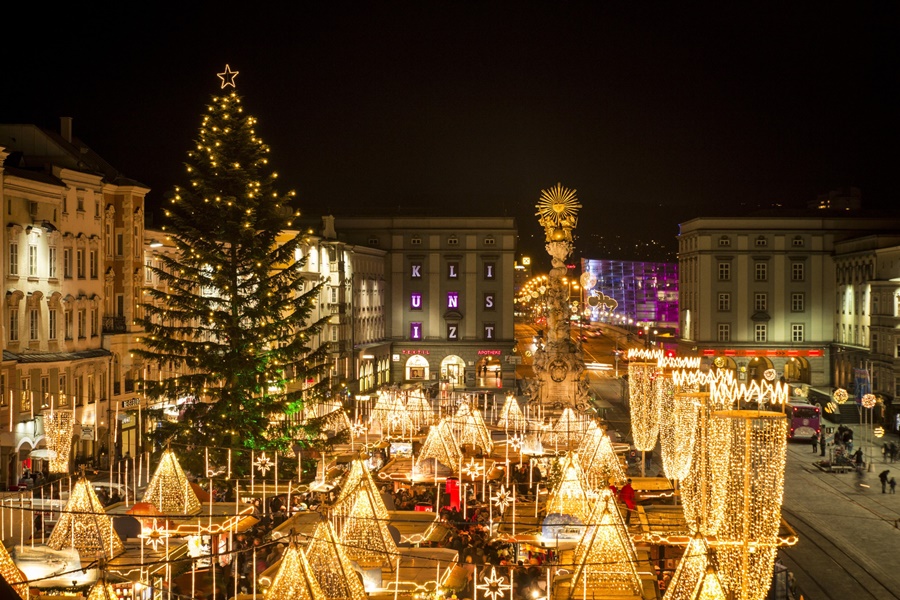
(797, 242)
(724, 241)
(373, 241)
(416, 241)
(761, 242)
(489, 240)
(453, 241)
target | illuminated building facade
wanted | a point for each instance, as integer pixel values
(646, 292)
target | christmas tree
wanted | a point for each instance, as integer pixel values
(228, 327)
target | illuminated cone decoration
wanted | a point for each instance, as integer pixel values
(295, 579)
(600, 462)
(751, 484)
(84, 525)
(677, 427)
(169, 490)
(59, 426)
(605, 557)
(695, 578)
(470, 429)
(703, 510)
(642, 401)
(570, 495)
(511, 416)
(11, 573)
(358, 481)
(420, 412)
(331, 565)
(366, 537)
(567, 431)
(441, 445)
(103, 591)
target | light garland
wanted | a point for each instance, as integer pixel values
(570, 495)
(59, 426)
(11, 573)
(605, 557)
(694, 568)
(366, 537)
(331, 566)
(703, 511)
(679, 362)
(511, 415)
(440, 445)
(295, 578)
(728, 394)
(642, 401)
(751, 482)
(678, 424)
(169, 490)
(83, 525)
(644, 355)
(358, 481)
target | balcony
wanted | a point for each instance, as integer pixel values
(114, 325)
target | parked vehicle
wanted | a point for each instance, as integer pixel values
(805, 419)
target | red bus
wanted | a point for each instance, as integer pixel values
(805, 419)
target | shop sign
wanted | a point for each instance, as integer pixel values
(490, 352)
(415, 352)
(131, 402)
(87, 433)
(814, 353)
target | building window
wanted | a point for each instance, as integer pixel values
(416, 241)
(760, 302)
(490, 271)
(724, 242)
(797, 242)
(4, 401)
(68, 324)
(335, 330)
(79, 262)
(797, 271)
(724, 301)
(13, 324)
(13, 258)
(488, 331)
(453, 300)
(453, 270)
(95, 318)
(32, 260)
(415, 330)
(67, 263)
(453, 241)
(489, 301)
(798, 302)
(415, 270)
(723, 332)
(373, 241)
(25, 402)
(80, 204)
(332, 295)
(51, 257)
(33, 325)
(148, 271)
(51, 324)
(796, 332)
(81, 324)
(761, 271)
(415, 301)
(761, 242)
(120, 244)
(453, 331)
(94, 264)
(724, 271)
(759, 331)
(489, 241)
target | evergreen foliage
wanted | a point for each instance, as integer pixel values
(228, 326)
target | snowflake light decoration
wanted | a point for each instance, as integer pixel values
(154, 535)
(493, 586)
(769, 374)
(358, 429)
(263, 463)
(473, 469)
(502, 499)
(515, 442)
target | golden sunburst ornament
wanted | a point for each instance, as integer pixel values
(558, 207)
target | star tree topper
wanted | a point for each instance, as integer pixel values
(227, 77)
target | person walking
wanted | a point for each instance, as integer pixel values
(626, 496)
(893, 484)
(883, 477)
(815, 443)
(893, 450)
(822, 443)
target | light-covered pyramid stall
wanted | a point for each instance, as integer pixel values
(511, 416)
(84, 525)
(605, 558)
(103, 590)
(366, 537)
(440, 445)
(570, 495)
(695, 578)
(169, 489)
(331, 565)
(11, 573)
(420, 412)
(390, 413)
(599, 460)
(566, 432)
(358, 481)
(470, 429)
(295, 578)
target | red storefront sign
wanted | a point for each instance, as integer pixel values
(814, 353)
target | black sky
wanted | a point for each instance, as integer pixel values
(654, 112)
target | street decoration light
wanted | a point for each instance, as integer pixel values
(366, 537)
(695, 578)
(295, 577)
(570, 495)
(84, 525)
(358, 481)
(511, 415)
(440, 445)
(331, 566)
(59, 426)
(169, 489)
(11, 573)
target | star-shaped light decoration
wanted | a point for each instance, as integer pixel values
(263, 463)
(473, 469)
(502, 499)
(154, 535)
(515, 442)
(358, 429)
(227, 77)
(493, 586)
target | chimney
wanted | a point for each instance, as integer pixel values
(328, 228)
(65, 128)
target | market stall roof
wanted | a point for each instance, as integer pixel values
(218, 517)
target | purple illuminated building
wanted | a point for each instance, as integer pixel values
(645, 292)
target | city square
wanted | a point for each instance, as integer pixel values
(226, 388)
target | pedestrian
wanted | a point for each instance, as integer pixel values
(893, 451)
(883, 477)
(822, 443)
(858, 459)
(893, 484)
(626, 496)
(815, 443)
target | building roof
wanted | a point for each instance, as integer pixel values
(42, 357)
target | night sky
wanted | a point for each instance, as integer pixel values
(655, 112)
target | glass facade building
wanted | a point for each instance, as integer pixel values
(646, 292)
